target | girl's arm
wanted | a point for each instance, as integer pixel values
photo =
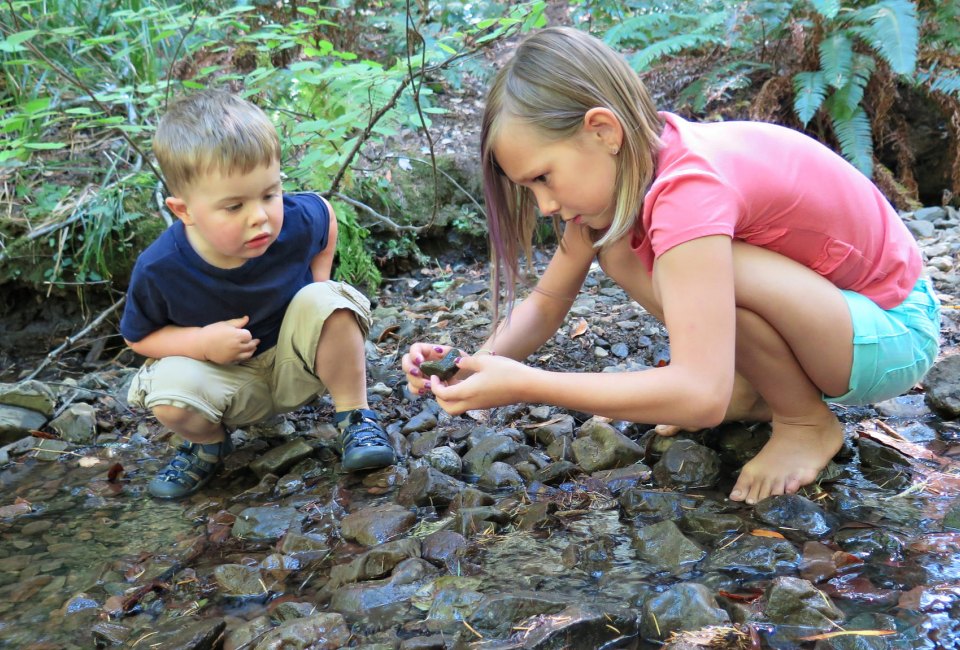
(540, 314)
(695, 284)
(322, 263)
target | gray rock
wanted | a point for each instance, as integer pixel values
(78, 424)
(686, 606)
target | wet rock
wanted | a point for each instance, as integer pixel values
(496, 614)
(754, 557)
(262, 490)
(488, 451)
(473, 521)
(650, 506)
(188, 634)
(546, 433)
(423, 421)
(359, 599)
(942, 385)
(561, 448)
(375, 563)
(577, 626)
(595, 557)
(17, 422)
(443, 548)
(425, 442)
(872, 543)
(428, 486)
(377, 524)
(537, 516)
(875, 455)
(471, 498)
(685, 606)
(325, 631)
(499, 476)
(448, 601)
(279, 459)
(266, 523)
(445, 460)
(707, 527)
(107, 633)
(794, 601)
(51, 450)
(868, 621)
(31, 395)
(433, 642)
(600, 446)
(663, 548)
(904, 406)
(621, 478)
(796, 513)
(557, 472)
(737, 442)
(78, 424)
(241, 581)
(245, 635)
(687, 464)
(444, 368)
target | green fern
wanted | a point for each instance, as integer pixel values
(845, 101)
(891, 28)
(947, 83)
(810, 89)
(827, 8)
(638, 28)
(836, 59)
(642, 59)
(856, 139)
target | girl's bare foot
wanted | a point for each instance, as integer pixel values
(793, 457)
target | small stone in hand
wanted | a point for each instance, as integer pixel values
(445, 368)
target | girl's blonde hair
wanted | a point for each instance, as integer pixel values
(553, 79)
(212, 131)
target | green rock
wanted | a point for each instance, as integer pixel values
(445, 368)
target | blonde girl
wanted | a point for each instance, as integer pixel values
(785, 279)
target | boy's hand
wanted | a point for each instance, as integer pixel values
(228, 342)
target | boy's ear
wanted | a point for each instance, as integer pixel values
(179, 208)
(603, 123)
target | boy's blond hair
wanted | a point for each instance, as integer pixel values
(212, 131)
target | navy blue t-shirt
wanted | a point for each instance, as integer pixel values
(172, 285)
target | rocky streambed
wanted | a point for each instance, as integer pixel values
(520, 527)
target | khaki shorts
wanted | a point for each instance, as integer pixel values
(278, 380)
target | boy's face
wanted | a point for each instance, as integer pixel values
(574, 178)
(231, 219)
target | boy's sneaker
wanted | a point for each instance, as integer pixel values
(364, 444)
(190, 469)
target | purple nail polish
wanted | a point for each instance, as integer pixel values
(457, 360)
(415, 372)
(422, 391)
(437, 348)
(426, 384)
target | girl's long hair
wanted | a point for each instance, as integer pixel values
(553, 79)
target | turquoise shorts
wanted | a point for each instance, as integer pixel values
(892, 348)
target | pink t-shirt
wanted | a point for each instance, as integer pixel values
(774, 187)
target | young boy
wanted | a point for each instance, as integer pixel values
(233, 304)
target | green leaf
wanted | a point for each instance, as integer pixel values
(856, 140)
(665, 47)
(826, 8)
(14, 42)
(846, 100)
(810, 89)
(836, 59)
(891, 28)
(45, 145)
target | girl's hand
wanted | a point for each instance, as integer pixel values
(487, 381)
(420, 352)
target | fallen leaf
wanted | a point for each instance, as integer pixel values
(579, 329)
(89, 461)
(115, 473)
(760, 532)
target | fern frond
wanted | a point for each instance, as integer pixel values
(845, 101)
(826, 8)
(810, 89)
(856, 140)
(642, 59)
(891, 28)
(636, 29)
(948, 84)
(836, 59)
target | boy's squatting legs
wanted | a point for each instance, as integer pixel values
(779, 302)
(341, 361)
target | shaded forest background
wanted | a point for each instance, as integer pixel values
(378, 105)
